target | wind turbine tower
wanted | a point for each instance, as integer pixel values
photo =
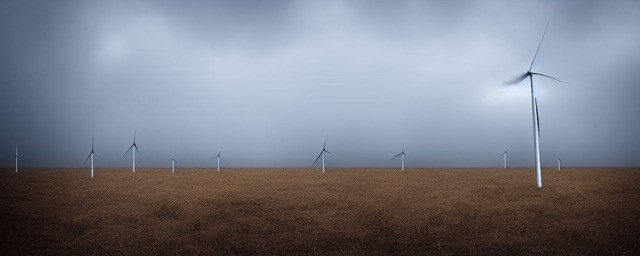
(135, 147)
(504, 155)
(559, 162)
(218, 159)
(90, 156)
(534, 109)
(401, 155)
(322, 153)
(173, 163)
(16, 156)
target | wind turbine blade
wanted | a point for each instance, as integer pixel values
(324, 145)
(136, 147)
(537, 50)
(314, 162)
(395, 156)
(125, 153)
(86, 159)
(546, 76)
(328, 151)
(517, 80)
(537, 116)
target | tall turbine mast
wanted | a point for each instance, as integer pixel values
(218, 158)
(559, 162)
(401, 155)
(534, 109)
(173, 163)
(322, 153)
(504, 154)
(16, 156)
(90, 156)
(135, 147)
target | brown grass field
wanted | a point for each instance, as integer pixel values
(579, 211)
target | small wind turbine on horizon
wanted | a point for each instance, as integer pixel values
(401, 155)
(90, 156)
(133, 146)
(559, 162)
(324, 150)
(504, 155)
(173, 163)
(534, 109)
(218, 158)
(16, 156)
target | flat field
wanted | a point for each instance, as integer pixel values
(579, 211)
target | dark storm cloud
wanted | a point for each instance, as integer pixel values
(268, 80)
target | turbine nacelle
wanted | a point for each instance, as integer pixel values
(520, 78)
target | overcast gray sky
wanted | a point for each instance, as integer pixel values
(267, 81)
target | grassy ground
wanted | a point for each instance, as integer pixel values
(299, 211)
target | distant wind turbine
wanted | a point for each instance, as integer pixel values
(401, 155)
(133, 146)
(173, 163)
(534, 109)
(16, 156)
(90, 156)
(559, 162)
(324, 150)
(218, 158)
(504, 155)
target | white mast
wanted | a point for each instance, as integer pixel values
(324, 150)
(16, 156)
(534, 110)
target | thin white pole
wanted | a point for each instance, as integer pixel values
(173, 166)
(91, 164)
(536, 140)
(322, 162)
(558, 163)
(134, 159)
(16, 156)
(505, 159)
(218, 164)
(403, 162)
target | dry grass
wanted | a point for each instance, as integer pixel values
(345, 211)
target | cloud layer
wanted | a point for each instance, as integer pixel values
(268, 81)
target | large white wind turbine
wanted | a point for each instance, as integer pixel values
(16, 156)
(534, 109)
(401, 155)
(504, 155)
(133, 146)
(90, 156)
(324, 150)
